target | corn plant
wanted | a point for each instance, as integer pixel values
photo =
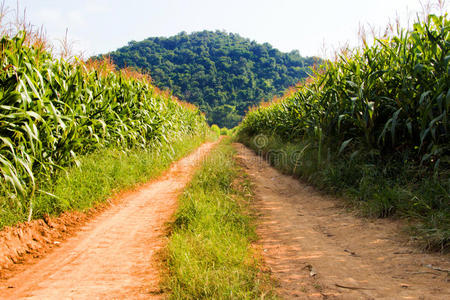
(52, 111)
(389, 97)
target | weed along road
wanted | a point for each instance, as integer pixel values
(113, 256)
(318, 250)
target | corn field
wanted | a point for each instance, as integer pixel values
(392, 96)
(52, 111)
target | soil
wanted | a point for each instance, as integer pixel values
(316, 249)
(108, 253)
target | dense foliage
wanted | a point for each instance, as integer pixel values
(52, 111)
(385, 106)
(393, 96)
(220, 72)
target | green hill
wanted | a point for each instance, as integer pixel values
(223, 73)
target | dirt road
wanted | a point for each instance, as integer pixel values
(113, 256)
(317, 250)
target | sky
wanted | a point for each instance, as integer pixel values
(314, 27)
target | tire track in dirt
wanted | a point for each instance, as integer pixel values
(112, 256)
(317, 250)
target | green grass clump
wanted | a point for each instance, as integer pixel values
(215, 129)
(210, 254)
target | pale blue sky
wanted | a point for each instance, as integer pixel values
(99, 26)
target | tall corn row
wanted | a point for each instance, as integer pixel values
(52, 111)
(392, 96)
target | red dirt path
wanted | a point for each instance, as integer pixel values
(112, 256)
(318, 250)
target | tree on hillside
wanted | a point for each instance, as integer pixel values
(220, 72)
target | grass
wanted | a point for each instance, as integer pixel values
(376, 188)
(210, 255)
(100, 175)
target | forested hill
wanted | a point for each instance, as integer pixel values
(223, 73)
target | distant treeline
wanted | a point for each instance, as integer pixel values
(223, 73)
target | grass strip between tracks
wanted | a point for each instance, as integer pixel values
(210, 253)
